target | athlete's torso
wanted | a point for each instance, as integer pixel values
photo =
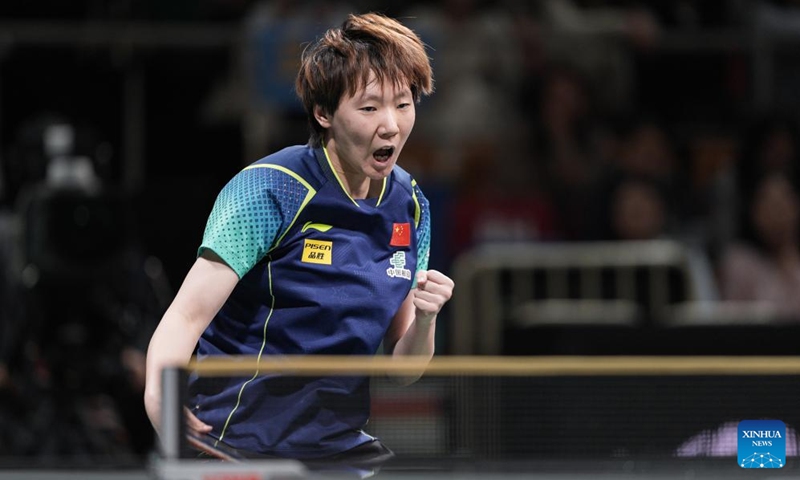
(327, 279)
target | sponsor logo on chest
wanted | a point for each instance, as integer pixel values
(398, 270)
(317, 251)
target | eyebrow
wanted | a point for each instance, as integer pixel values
(374, 97)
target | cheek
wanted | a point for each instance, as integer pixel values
(408, 122)
(357, 132)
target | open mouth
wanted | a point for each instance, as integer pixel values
(383, 154)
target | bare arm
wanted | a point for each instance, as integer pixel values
(413, 328)
(205, 289)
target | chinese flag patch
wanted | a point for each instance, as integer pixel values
(401, 235)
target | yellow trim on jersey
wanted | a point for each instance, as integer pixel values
(383, 189)
(258, 358)
(284, 170)
(341, 184)
(311, 192)
(417, 208)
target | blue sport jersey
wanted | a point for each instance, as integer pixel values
(320, 273)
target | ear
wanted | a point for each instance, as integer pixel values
(322, 117)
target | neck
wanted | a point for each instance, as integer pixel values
(357, 186)
(355, 183)
(370, 189)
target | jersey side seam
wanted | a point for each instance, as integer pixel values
(258, 359)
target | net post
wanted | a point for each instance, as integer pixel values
(173, 422)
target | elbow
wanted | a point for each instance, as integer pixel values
(405, 380)
(412, 367)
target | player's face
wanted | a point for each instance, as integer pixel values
(367, 132)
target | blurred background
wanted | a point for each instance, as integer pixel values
(605, 177)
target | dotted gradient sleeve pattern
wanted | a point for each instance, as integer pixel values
(423, 230)
(251, 212)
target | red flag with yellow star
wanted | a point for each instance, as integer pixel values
(401, 235)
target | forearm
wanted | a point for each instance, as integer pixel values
(172, 344)
(418, 340)
(418, 343)
(205, 289)
(413, 330)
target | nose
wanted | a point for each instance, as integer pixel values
(388, 127)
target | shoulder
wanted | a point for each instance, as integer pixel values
(416, 198)
(297, 162)
(285, 177)
(406, 181)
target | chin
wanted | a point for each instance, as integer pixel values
(382, 172)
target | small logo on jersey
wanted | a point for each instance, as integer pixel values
(398, 269)
(322, 227)
(317, 251)
(762, 444)
(401, 235)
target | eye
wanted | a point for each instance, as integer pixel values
(368, 109)
(403, 106)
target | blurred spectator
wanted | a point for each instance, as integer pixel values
(599, 39)
(566, 151)
(260, 87)
(727, 168)
(476, 62)
(770, 145)
(646, 150)
(714, 199)
(765, 265)
(499, 200)
(638, 211)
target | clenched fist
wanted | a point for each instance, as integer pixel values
(433, 290)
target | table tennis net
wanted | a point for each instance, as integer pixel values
(491, 408)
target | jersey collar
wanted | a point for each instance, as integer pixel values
(324, 160)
